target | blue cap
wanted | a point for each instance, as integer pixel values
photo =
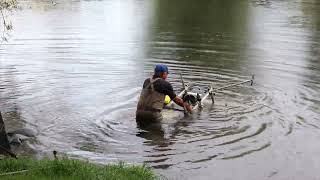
(160, 68)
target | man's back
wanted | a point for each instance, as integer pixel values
(162, 86)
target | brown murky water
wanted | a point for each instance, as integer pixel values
(73, 71)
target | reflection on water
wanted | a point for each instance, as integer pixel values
(76, 80)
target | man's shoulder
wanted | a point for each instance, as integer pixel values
(146, 82)
(164, 82)
(163, 85)
(158, 83)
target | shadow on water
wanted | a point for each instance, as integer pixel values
(311, 10)
(10, 92)
(161, 136)
(153, 133)
(211, 33)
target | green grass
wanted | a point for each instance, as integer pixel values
(64, 169)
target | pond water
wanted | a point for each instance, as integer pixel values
(72, 71)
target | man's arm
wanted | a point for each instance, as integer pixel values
(185, 105)
(168, 90)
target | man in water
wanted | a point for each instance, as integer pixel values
(153, 94)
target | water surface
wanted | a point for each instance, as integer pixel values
(73, 71)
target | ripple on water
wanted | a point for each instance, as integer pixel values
(232, 128)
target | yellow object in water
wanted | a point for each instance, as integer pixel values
(167, 100)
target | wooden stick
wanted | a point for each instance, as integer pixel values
(15, 172)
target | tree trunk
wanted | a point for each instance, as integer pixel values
(4, 143)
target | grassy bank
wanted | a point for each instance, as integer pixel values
(71, 169)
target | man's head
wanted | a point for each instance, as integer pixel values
(161, 71)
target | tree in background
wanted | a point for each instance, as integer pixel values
(6, 7)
